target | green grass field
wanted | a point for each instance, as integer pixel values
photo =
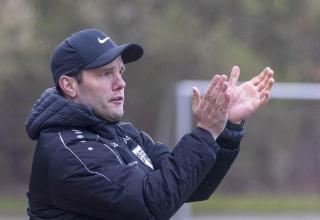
(258, 204)
(13, 204)
(217, 204)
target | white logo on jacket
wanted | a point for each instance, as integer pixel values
(138, 151)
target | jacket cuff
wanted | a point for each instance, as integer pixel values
(231, 135)
(206, 137)
(236, 127)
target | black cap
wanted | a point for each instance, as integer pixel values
(89, 48)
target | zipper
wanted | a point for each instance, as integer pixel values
(115, 153)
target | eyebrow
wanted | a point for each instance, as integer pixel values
(105, 69)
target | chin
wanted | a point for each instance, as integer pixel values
(117, 117)
(112, 117)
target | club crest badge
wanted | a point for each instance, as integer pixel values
(139, 152)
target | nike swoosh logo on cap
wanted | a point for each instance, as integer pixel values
(102, 41)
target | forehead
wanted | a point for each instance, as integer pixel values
(117, 62)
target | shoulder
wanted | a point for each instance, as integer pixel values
(82, 148)
(77, 135)
(62, 142)
(82, 144)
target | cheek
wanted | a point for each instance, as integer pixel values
(102, 97)
(96, 94)
(88, 95)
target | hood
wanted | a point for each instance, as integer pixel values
(53, 110)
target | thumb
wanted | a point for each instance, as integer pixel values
(234, 76)
(196, 97)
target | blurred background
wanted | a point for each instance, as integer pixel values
(278, 167)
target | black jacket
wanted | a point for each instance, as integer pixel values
(87, 168)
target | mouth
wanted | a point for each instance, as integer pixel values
(117, 100)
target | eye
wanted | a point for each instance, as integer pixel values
(122, 70)
(107, 73)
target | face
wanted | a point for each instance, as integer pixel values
(102, 89)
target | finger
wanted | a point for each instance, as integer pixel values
(227, 101)
(208, 92)
(224, 78)
(265, 98)
(266, 73)
(265, 94)
(196, 97)
(222, 83)
(222, 101)
(269, 85)
(234, 76)
(257, 79)
(264, 83)
(221, 95)
(225, 104)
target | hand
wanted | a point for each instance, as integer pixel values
(250, 96)
(211, 111)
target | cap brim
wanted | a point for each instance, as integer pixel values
(129, 53)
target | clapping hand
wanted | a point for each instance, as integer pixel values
(224, 99)
(211, 111)
(249, 96)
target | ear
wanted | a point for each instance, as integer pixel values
(69, 86)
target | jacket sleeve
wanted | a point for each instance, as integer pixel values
(229, 142)
(110, 189)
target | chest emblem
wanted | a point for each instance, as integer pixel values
(138, 151)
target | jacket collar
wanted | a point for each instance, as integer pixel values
(53, 110)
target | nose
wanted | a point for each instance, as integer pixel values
(119, 82)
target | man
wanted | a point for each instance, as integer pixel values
(89, 165)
